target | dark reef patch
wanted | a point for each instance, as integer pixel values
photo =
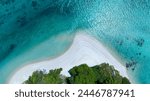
(1, 23)
(6, 2)
(22, 21)
(34, 4)
(139, 42)
(7, 52)
(131, 65)
(120, 42)
(138, 53)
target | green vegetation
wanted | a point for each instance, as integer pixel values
(41, 77)
(107, 74)
(82, 74)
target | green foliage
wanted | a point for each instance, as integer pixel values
(99, 74)
(40, 77)
(53, 77)
(82, 74)
(36, 78)
(106, 74)
(125, 81)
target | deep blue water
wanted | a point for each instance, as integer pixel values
(30, 30)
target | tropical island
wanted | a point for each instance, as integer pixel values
(82, 74)
(85, 49)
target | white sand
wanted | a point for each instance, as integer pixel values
(85, 49)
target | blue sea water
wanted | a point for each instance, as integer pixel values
(34, 30)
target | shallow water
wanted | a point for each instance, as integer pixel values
(30, 30)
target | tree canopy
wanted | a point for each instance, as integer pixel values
(41, 77)
(82, 74)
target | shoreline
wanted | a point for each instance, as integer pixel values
(84, 49)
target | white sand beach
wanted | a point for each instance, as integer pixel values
(84, 49)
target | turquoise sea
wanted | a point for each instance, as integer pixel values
(35, 30)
